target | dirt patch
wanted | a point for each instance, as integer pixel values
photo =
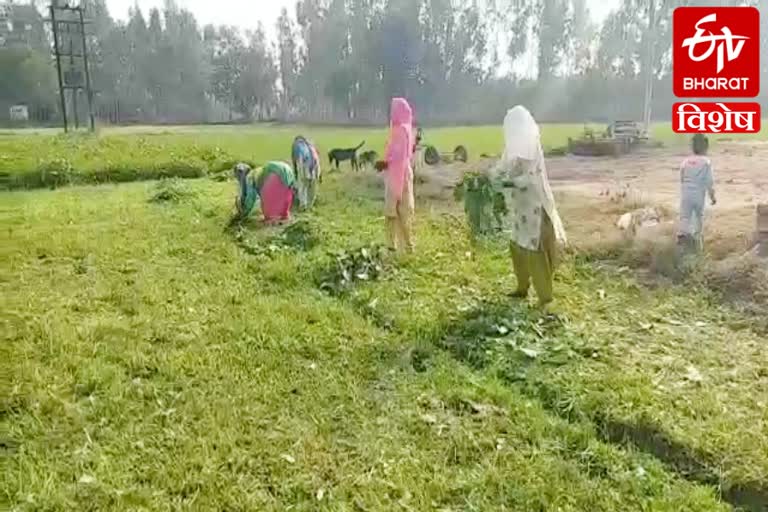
(652, 176)
(589, 190)
(437, 182)
(593, 193)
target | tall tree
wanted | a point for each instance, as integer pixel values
(103, 67)
(580, 37)
(288, 57)
(400, 47)
(345, 59)
(550, 26)
(366, 89)
(186, 66)
(26, 76)
(255, 88)
(315, 65)
(135, 44)
(227, 54)
(515, 19)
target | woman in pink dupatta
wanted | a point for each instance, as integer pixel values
(398, 196)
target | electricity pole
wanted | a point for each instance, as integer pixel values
(69, 20)
(57, 53)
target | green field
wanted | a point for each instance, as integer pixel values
(40, 158)
(158, 361)
(127, 154)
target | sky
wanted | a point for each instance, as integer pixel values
(247, 13)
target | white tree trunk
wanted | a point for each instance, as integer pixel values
(649, 64)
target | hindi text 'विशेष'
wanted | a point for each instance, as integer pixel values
(716, 117)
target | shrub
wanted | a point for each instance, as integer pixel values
(59, 172)
(51, 173)
(171, 190)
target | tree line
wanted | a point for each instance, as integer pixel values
(340, 61)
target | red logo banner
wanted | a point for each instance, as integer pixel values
(716, 52)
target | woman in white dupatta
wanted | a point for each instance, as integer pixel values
(531, 222)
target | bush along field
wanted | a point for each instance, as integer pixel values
(123, 156)
(160, 358)
(118, 155)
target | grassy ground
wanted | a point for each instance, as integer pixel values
(42, 159)
(212, 147)
(158, 361)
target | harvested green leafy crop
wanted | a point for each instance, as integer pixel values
(484, 206)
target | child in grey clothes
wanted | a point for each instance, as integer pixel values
(696, 181)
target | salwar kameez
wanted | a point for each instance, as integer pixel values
(273, 186)
(536, 266)
(276, 199)
(399, 199)
(307, 167)
(531, 222)
(399, 216)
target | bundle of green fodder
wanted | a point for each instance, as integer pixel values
(484, 206)
(350, 267)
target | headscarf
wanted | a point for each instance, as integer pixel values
(284, 171)
(522, 140)
(248, 195)
(401, 114)
(400, 146)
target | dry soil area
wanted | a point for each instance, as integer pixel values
(594, 192)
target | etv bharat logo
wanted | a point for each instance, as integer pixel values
(716, 52)
(721, 43)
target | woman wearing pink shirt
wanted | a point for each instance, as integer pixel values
(398, 196)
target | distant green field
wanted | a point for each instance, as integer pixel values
(42, 158)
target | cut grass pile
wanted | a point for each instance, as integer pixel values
(154, 364)
(117, 155)
(171, 190)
